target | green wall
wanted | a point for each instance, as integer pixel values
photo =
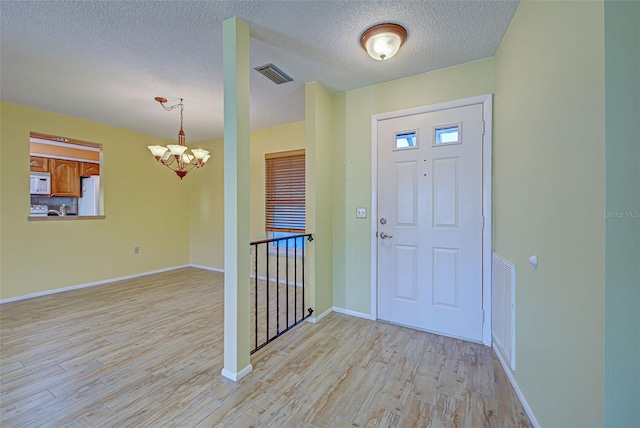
(207, 198)
(622, 267)
(549, 200)
(145, 205)
(352, 164)
(319, 146)
(578, 334)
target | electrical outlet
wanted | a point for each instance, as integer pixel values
(361, 213)
(136, 250)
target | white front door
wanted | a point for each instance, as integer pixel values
(430, 221)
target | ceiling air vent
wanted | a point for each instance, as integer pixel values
(274, 74)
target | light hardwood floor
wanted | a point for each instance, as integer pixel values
(147, 352)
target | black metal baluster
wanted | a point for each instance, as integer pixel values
(303, 249)
(287, 278)
(278, 288)
(295, 286)
(255, 331)
(267, 283)
(297, 240)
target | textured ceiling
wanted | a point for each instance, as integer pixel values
(105, 61)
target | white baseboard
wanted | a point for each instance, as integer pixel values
(122, 278)
(237, 376)
(88, 284)
(314, 320)
(352, 313)
(260, 277)
(340, 311)
(207, 268)
(516, 388)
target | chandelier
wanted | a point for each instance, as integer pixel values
(173, 156)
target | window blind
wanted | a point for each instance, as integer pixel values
(285, 191)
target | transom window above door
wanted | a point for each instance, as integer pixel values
(406, 140)
(448, 134)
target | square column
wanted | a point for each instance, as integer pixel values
(236, 199)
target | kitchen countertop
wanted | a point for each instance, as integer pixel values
(65, 218)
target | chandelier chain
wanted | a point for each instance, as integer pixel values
(169, 108)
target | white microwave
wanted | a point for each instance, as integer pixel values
(40, 183)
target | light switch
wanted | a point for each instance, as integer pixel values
(361, 213)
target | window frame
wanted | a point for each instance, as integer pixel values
(292, 251)
(285, 185)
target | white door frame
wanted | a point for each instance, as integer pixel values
(487, 243)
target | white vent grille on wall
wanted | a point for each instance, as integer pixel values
(503, 306)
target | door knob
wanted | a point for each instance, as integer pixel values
(383, 235)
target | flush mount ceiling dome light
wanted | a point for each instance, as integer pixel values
(383, 41)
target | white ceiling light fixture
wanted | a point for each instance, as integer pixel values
(383, 41)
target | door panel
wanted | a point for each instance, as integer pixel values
(430, 194)
(407, 193)
(445, 192)
(406, 278)
(445, 277)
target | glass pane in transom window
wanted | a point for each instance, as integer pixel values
(449, 134)
(406, 140)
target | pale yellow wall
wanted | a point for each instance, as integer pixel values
(549, 201)
(146, 205)
(1, 198)
(206, 205)
(319, 142)
(352, 164)
(206, 209)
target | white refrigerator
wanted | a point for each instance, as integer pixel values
(89, 203)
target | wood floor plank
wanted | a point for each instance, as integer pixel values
(340, 422)
(425, 388)
(237, 403)
(251, 418)
(481, 411)
(133, 412)
(399, 385)
(279, 407)
(510, 410)
(368, 383)
(26, 404)
(382, 418)
(92, 417)
(449, 413)
(25, 375)
(416, 413)
(481, 377)
(453, 381)
(64, 409)
(302, 405)
(499, 375)
(147, 352)
(178, 407)
(329, 405)
(9, 367)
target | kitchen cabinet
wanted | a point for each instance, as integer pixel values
(38, 164)
(87, 169)
(65, 178)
